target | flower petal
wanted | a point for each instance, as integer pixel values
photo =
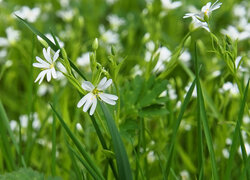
(102, 82)
(93, 107)
(53, 71)
(88, 86)
(106, 100)
(88, 103)
(39, 65)
(41, 61)
(41, 76)
(49, 75)
(83, 100)
(56, 55)
(46, 54)
(106, 85)
(110, 96)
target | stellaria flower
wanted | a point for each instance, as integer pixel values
(90, 99)
(12, 37)
(200, 19)
(48, 66)
(29, 14)
(168, 4)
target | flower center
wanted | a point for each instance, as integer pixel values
(95, 91)
(51, 66)
(206, 12)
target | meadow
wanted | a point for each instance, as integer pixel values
(133, 89)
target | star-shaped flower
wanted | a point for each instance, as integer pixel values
(90, 99)
(47, 65)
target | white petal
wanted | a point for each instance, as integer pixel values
(88, 86)
(92, 110)
(53, 71)
(106, 100)
(41, 76)
(88, 103)
(47, 55)
(110, 96)
(83, 100)
(49, 75)
(56, 55)
(41, 61)
(102, 82)
(106, 85)
(38, 65)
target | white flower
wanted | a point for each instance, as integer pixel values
(168, 4)
(12, 37)
(115, 21)
(96, 92)
(83, 60)
(164, 54)
(66, 15)
(208, 9)
(109, 37)
(47, 66)
(200, 19)
(235, 34)
(29, 14)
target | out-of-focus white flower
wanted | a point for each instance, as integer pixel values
(184, 175)
(247, 147)
(115, 21)
(111, 2)
(66, 15)
(235, 34)
(239, 10)
(83, 60)
(246, 119)
(225, 153)
(78, 127)
(168, 4)
(185, 57)
(164, 55)
(12, 37)
(36, 124)
(13, 125)
(151, 156)
(30, 15)
(8, 63)
(216, 73)
(196, 22)
(137, 71)
(24, 120)
(96, 92)
(228, 141)
(186, 126)
(150, 45)
(48, 66)
(3, 53)
(50, 37)
(228, 86)
(109, 37)
(64, 3)
(194, 91)
(43, 89)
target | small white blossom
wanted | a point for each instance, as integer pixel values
(12, 37)
(66, 15)
(30, 15)
(200, 19)
(168, 4)
(48, 66)
(78, 127)
(13, 125)
(184, 175)
(83, 60)
(164, 55)
(96, 92)
(151, 156)
(109, 36)
(115, 22)
(225, 153)
(235, 34)
(247, 147)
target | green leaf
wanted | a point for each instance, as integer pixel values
(204, 120)
(23, 174)
(236, 134)
(123, 166)
(176, 127)
(79, 146)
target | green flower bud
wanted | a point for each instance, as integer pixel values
(95, 44)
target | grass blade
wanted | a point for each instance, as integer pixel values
(124, 170)
(78, 145)
(236, 134)
(176, 127)
(204, 120)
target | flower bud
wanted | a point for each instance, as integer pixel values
(95, 44)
